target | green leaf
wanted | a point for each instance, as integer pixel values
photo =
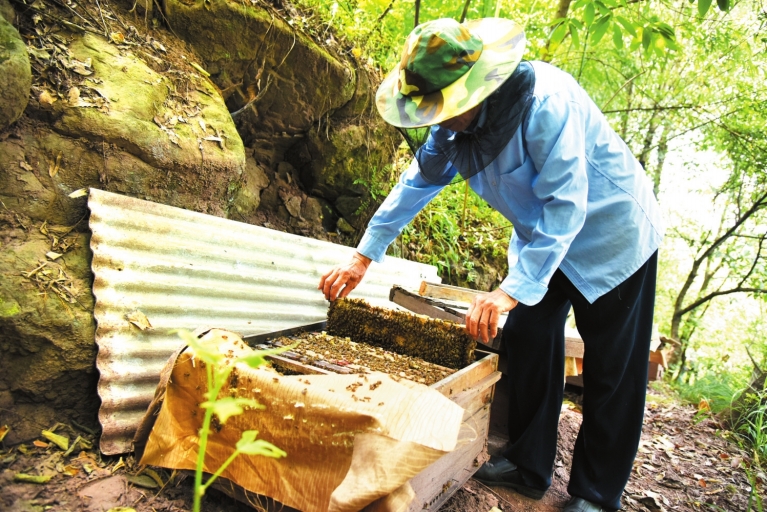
(257, 358)
(576, 37)
(646, 39)
(559, 33)
(703, 6)
(207, 351)
(617, 37)
(627, 25)
(724, 5)
(602, 8)
(665, 30)
(600, 28)
(230, 406)
(577, 24)
(249, 445)
(579, 4)
(588, 14)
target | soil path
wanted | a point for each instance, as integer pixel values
(682, 465)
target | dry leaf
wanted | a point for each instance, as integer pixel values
(202, 125)
(4, 432)
(142, 481)
(31, 479)
(46, 99)
(200, 69)
(40, 444)
(60, 441)
(153, 474)
(38, 53)
(54, 167)
(117, 37)
(73, 95)
(79, 193)
(53, 255)
(138, 319)
(24, 165)
(158, 46)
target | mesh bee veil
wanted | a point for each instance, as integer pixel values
(470, 151)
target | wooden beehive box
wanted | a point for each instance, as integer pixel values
(471, 387)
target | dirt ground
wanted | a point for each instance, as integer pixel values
(683, 465)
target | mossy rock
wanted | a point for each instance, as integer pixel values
(276, 79)
(15, 73)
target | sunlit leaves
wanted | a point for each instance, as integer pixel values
(249, 445)
(230, 406)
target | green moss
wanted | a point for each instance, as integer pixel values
(9, 308)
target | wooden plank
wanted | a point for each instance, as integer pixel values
(574, 347)
(297, 367)
(465, 398)
(465, 378)
(445, 291)
(406, 300)
(438, 482)
(659, 357)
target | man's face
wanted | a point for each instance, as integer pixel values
(460, 122)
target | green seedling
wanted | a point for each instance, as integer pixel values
(226, 407)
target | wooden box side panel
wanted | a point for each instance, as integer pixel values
(437, 483)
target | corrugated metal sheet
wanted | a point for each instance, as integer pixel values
(184, 269)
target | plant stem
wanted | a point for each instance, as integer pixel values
(220, 470)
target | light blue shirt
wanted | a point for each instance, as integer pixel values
(578, 199)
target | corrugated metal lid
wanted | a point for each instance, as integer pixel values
(184, 270)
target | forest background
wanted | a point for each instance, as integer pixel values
(684, 84)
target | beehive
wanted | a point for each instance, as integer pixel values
(435, 341)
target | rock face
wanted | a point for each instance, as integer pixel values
(15, 72)
(282, 133)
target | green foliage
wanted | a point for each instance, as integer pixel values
(218, 371)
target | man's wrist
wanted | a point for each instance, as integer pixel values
(362, 258)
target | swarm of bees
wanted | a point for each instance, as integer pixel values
(436, 341)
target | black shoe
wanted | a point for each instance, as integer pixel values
(581, 505)
(499, 471)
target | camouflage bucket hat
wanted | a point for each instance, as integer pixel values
(448, 68)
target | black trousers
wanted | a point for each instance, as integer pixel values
(616, 331)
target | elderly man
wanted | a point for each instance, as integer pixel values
(587, 229)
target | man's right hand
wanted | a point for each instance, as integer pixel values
(342, 279)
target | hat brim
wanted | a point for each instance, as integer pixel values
(503, 44)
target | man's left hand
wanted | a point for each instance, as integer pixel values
(485, 312)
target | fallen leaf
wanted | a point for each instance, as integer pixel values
(54, 167)
(735, 462)
(4, 432)
(31, 479)
(202, 125)
(73, 95)
(199, 68)
(158, 46)
(117, 37)
(24, 165)
(153, 474)
(60, 441)
(142, 481)
(121, 509)
(38, 53)
(138, 319)
(702, 483)
(53, 255)
(71, 470)
(40, 444)
(79, 193)
(46, 99)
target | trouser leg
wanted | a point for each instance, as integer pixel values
(616, 331)
(535, 345)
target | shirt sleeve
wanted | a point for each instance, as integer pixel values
(408, 197)
(555, 141)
